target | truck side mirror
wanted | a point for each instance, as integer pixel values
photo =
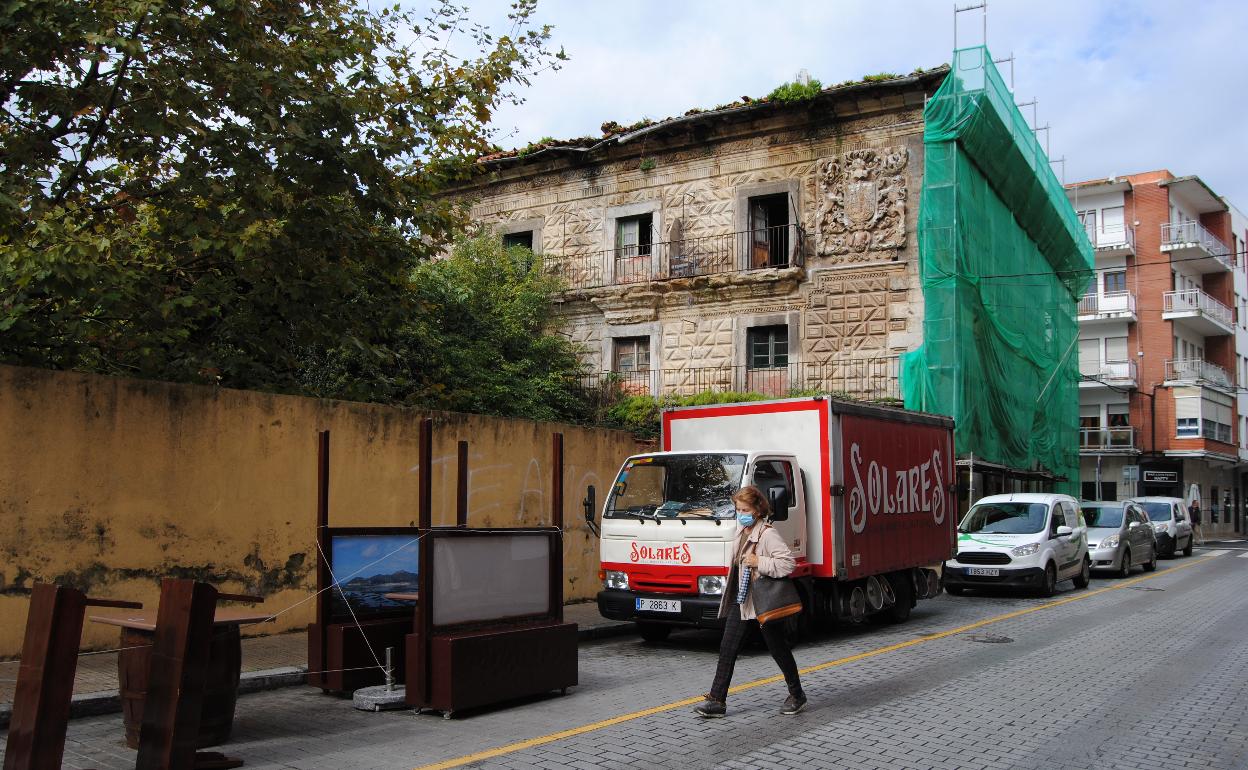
(591, 505)
(779, 500)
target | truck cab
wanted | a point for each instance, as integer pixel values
(668, 527)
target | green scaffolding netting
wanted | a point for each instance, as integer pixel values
(1003, 261)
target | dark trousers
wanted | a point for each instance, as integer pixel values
(735, 630)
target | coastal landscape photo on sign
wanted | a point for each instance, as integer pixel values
(368, 567)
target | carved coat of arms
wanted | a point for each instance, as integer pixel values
(862, 206)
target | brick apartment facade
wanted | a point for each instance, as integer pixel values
(1163, 341)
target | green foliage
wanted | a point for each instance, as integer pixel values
(880, 77)
(641, 414)
(795, 91)
(647, 164)
(224, 191)
(476, 342)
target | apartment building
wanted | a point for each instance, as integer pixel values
(1163, 343)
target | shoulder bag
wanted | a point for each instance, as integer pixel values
(773, 598)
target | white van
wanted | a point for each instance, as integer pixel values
(1024, 540)
(1171, 522)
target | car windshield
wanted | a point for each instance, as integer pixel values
(1005, 519)
(677, 486)
(1104, 516)
(1157, 511)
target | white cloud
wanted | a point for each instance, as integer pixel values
(1126, 87)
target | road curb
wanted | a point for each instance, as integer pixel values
(109, 702)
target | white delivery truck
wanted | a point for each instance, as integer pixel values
(862, 494)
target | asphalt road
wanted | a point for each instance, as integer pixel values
(1147, 672)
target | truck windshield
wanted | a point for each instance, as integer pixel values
(1005, 519)
(677, 486)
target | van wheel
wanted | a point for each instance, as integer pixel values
(1187, 549)
(1124, 569)
(1085, 574)
(653, 632)
(1050, 580)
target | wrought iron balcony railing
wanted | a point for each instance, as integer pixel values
(1110, 236)
(1195, 300)
(1197, 370)
(1193, 233)
(771, 247)
(1113, 302)
(868, 379)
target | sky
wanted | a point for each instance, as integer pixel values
(369, 555)
(1124, 86)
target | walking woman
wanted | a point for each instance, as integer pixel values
(759, 550)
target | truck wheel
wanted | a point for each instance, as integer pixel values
(653, 632)
(899, 611)
(1187, 550)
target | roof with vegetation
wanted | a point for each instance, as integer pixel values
(788, 94)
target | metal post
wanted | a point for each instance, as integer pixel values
(389, 669)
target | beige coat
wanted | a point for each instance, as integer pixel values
(774, 560)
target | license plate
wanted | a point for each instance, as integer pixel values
(658, 605)
(983, 571)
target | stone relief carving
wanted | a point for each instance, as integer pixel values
(862, 206)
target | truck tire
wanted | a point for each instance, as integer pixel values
(653, 632)
(899, 611)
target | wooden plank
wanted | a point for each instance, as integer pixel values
(45, 679)
(175, 690)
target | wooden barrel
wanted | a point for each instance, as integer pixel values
(220, 686)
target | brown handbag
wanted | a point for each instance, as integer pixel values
(773, 598)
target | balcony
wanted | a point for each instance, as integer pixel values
(867, 379)
(1198, 311)
(1106, 441)
(1191, 371)
(778, 247)
(1111, 240)
(1111, 374)
(1116, 306)
(1196, 247)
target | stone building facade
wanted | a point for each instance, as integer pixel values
(764, 246)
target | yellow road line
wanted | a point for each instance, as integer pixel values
(511, 748)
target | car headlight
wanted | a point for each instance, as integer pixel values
(711, 584)
(1159, 527)
(1026, 550)
(615, 580)
(1109, 542)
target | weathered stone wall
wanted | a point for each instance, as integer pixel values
(854, 179)
(109, 484)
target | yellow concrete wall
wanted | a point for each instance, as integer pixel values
(109, 484)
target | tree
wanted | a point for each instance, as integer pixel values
(477, 341)
(217, 190)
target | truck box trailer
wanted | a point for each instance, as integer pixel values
(862, 494)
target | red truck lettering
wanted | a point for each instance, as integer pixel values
(917, 488)
(673, 553)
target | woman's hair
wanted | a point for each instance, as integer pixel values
(751, 496)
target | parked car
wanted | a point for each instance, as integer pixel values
(1120, 536)
(1025, 540)
(1171, 523)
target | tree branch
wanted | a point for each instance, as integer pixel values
(68, 182)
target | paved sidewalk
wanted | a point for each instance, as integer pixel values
(268, 661)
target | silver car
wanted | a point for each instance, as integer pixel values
(1120, 536)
